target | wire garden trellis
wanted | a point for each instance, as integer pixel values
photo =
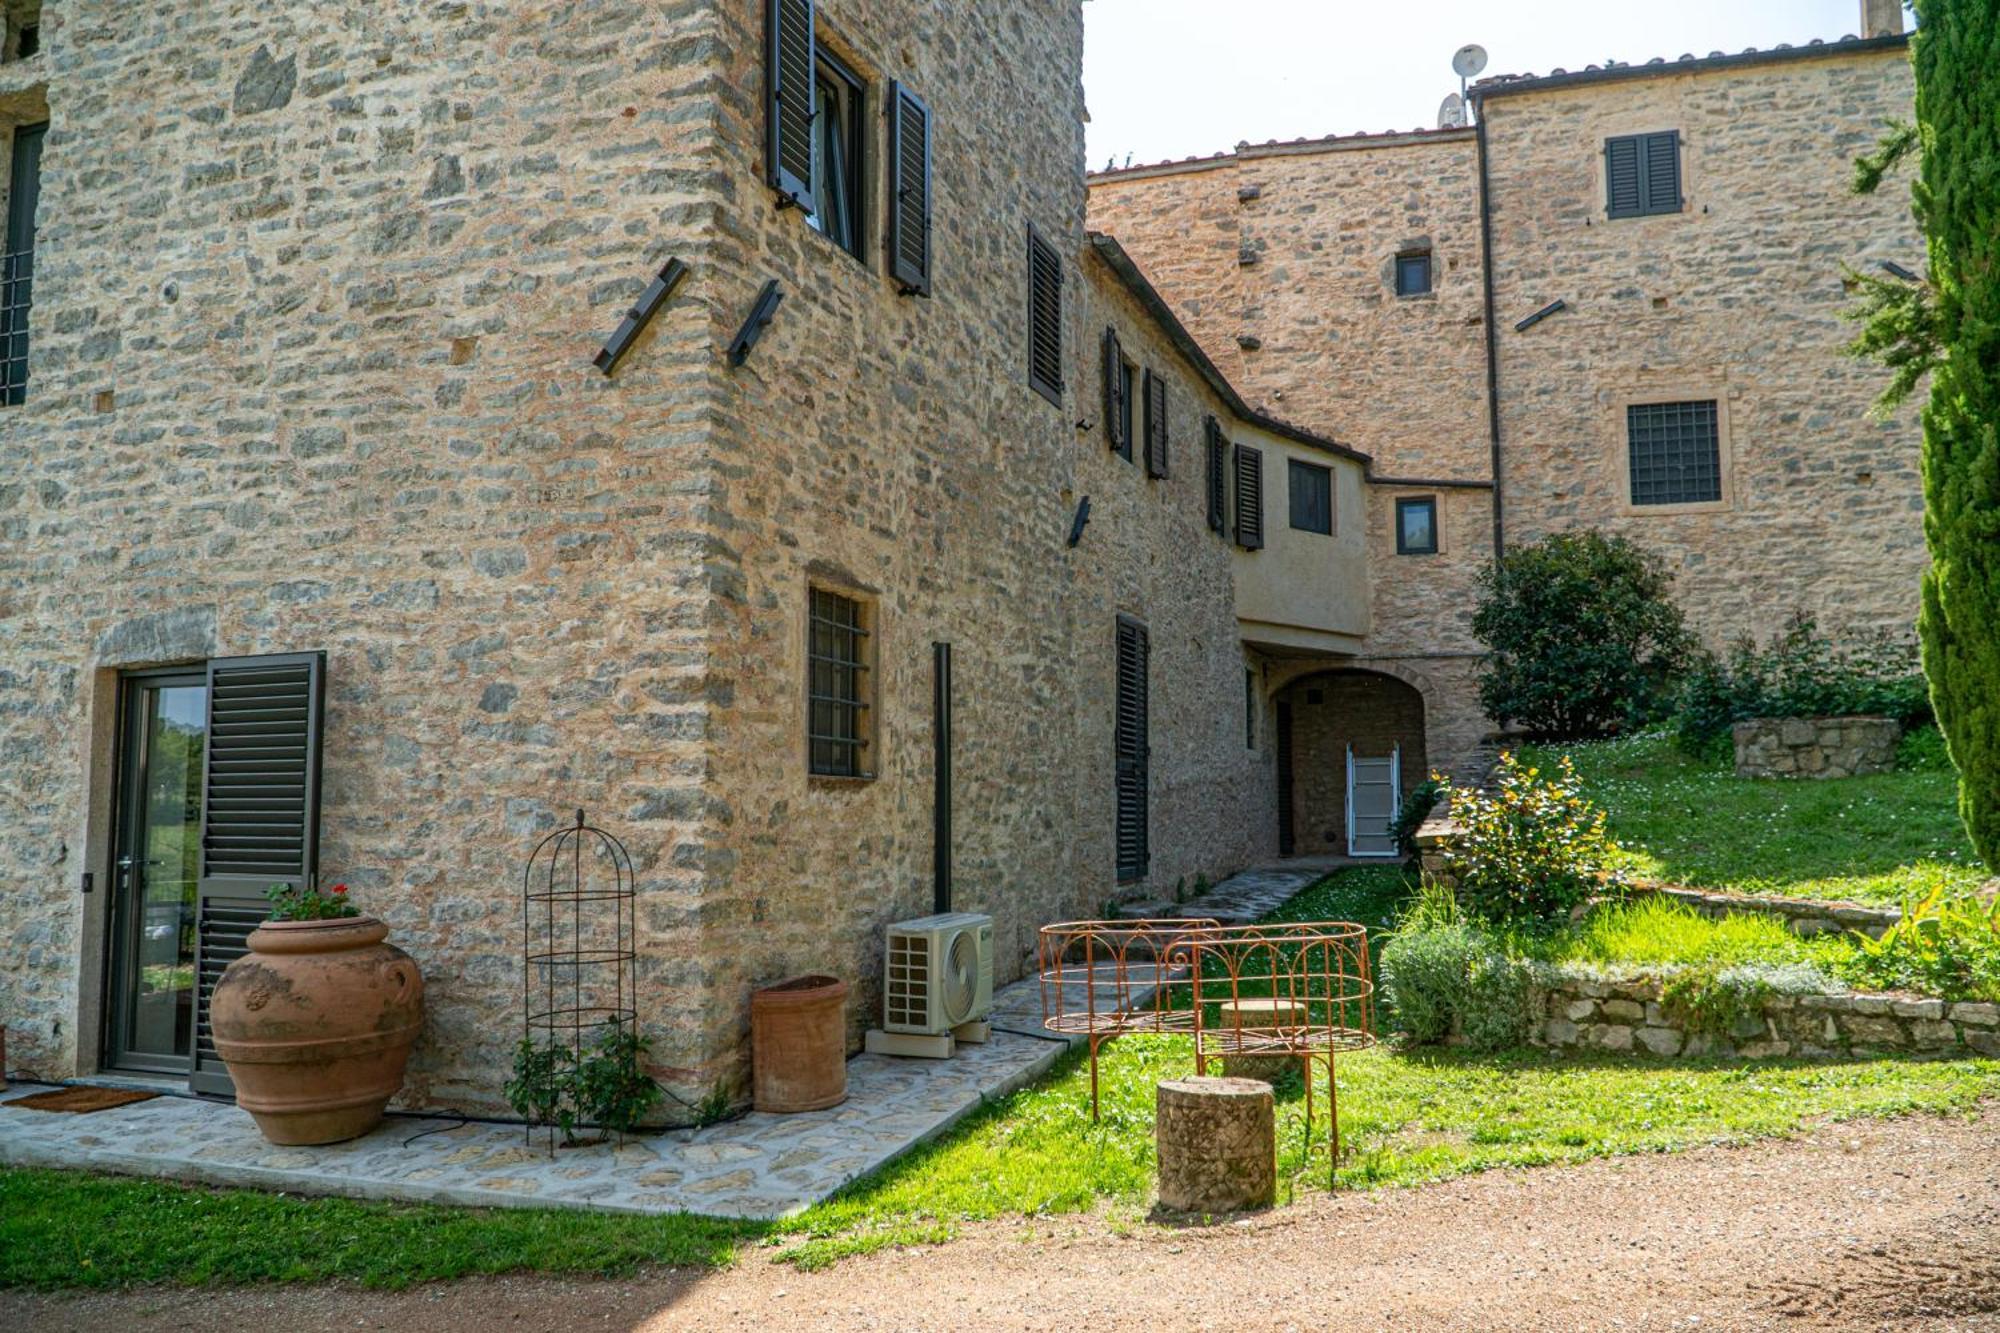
(578, 927)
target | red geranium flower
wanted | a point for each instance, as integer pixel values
(340, 888)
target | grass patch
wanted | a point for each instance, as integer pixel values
(1691, 821)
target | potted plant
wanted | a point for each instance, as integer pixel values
(601, 1084)
(315, 1023)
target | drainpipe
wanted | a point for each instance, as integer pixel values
(1492, 327)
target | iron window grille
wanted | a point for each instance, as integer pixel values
(1416, 526)
(1311, 489)
(1413, 273)
(839, 154)
(1675, 453)
(836, 698)
(17, 261)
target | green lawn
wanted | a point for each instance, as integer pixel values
(1685, 821)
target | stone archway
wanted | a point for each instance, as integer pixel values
(1326, 713)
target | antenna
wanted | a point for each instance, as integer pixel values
(1451, 111)
(1467, 62)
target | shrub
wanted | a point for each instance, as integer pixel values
(1584, 633)
(1533, 847)
(1799, 673)
(1946, 944)
(1713, 1000)
(1443, 973)
(1416, 808)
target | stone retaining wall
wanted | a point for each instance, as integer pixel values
(1629, 1015)
(1806, 916)
(1816, 747)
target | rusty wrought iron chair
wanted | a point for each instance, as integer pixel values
(1104, 979)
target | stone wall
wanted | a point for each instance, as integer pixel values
(1630, 1015)
(1815, 747)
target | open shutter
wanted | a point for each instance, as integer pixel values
(1134, 848)
(1218, 478)
(1045, 283)
(790, 85)
(1662, 176)
(909, 191)
(1623, 194)
(259, 813)
(1115, 412)
(1156, 425)
(1249, 498)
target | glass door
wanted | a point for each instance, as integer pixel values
(155, 868)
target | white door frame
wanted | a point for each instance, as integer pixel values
(1395, 796)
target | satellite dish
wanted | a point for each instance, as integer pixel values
(1469, 60)
(1451, 112)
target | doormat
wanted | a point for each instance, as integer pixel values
(81, 1101)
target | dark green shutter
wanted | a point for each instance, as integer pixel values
(1134, 850)
(260, 815)
(1623, 195)
(791, 86)
(1218, 478)
(1045, 279)
(1156, 425)
(1116, 415)
(1249, 498)
(1663, 172)
(909, 191)
(1642, 174)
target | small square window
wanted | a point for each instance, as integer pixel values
(1674, 453)
(1413, 273)
(1417, 526)
(837, 686)
(1312, 497)
(838, 151)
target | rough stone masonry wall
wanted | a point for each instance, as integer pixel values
(1629, 1015)
(1737, 298)
(317, 291)
(1815, 747)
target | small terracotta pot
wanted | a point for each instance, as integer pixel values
(798, 1044)
(315, 1025)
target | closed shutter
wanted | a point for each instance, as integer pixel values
(1663, 172)
(260, 815)
(790, 78)
(1045, 279)
(1134, 758)
(1642, 174)
(909, 191)
(1218, 478)
(1156, 425)
(1249, 498)
(1116, 414)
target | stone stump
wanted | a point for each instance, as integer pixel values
(1260, 1015)
(1218, 1145)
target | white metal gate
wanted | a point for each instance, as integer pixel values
(1374, 795)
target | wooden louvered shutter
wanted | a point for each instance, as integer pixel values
(909, 191)
(1662, 175)
(1045, 280)
(1624, 195)
(1134, 850)
(1249, 498)
(1116, 414)
(259, 813)
(1156, 425)
(791, 85)
(1218, 478)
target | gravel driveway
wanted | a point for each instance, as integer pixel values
(1874, 1225)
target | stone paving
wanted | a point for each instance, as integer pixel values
(1242, 899)
(761, 1166)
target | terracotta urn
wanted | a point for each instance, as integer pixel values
(315, 1024)
(798, 1044)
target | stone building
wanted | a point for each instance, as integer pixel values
(911, 546)
(1615, 302)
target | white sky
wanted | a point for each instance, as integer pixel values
(1181, 78)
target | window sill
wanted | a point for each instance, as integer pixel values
(1430, 295)
(1668, 510)
(838, 781)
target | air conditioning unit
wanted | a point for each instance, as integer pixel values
(938, 975)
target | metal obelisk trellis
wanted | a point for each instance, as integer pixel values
(578, 924)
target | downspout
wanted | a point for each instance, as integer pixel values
(1492, 328)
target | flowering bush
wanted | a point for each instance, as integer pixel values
(306, 903)
(1533, 847)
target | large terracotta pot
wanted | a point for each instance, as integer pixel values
(798, 1044)
(315, 1024)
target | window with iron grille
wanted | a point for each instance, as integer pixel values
(1311, 488)
(1413, 273)
(1675, 452)
(1045, 284)
(17, 261)
(837, 686)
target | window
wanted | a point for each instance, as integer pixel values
(1642, 174)
(1218, 477)
(837, 686)
(1417, 526)
(1413, 273)
(1118, 377)
(1156, 425)
(1312, 496)
(838, 148)
(1675, 453)
(1249, 709)
(1045, 284)
(17, 261)
(1133, 752)
(1249, 498)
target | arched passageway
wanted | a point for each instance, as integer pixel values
(1350, 746)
